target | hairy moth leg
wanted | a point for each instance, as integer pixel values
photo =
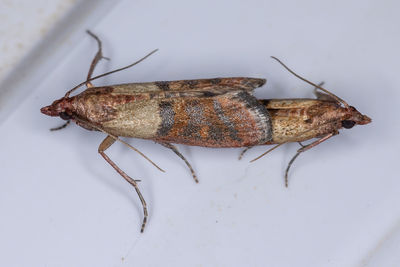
(175, 150)
(244, 151)
(303, 149)
(107, 142)
(99, 56)
(61, 127)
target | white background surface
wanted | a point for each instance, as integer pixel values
(61, 204)
(23, 24)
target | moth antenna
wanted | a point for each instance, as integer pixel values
(125, 143)
(338, 99)
(110, 72)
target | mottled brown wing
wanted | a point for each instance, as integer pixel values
(201, 87)
(225, 112)
(235, 119)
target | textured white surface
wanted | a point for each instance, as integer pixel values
(37, 38)
(62, 205)
(23, 23)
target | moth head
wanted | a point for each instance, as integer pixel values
(59, 108)
(354, 117)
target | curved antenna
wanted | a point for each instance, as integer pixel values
(338, 99)
(110, 72)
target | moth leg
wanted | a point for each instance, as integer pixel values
(96, 59)
(303, 149)
(60, 127)
(244, 151)
(268, 151)
(175, 150)
(107, 142)
(301, 144)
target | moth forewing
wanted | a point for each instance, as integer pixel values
(212, 86)
(205, 114)
(297, 120)
(229, 120)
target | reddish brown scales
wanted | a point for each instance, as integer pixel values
(216, 84)
(220, 121)
(216, 112)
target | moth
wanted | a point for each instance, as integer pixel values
(218, 112)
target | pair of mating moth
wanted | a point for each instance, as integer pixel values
(219, 112)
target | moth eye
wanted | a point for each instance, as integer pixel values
(64, 116)
(348, 124)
